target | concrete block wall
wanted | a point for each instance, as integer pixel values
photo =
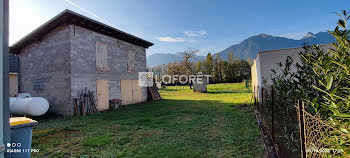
(83, 62)
(45, 70)
(64, 62)
(200, 87)
(114, 89)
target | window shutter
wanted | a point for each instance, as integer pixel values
(101, 57)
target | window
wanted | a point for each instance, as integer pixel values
(130, 61)
(101, 57)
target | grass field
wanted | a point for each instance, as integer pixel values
(184, 124)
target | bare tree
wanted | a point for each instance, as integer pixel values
(187, 57)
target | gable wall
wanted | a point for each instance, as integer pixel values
(45, 70)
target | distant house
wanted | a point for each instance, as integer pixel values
(261, 70)
(72, 52)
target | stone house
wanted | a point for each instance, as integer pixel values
(72, 52)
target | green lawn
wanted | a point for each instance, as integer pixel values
(184, 124)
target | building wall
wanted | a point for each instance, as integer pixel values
(64, 63)
(254, 75)
(268, 60)
(13, 84)
(83, 62)
(45, 70)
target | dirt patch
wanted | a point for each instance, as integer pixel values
(115, 127)
(269, 145)
(55, 135)
(243, 107)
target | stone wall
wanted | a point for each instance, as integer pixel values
(45, 70)
(64, 63)
(83, 62)
(200, 87)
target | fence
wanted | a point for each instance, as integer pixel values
(319, 139)
(295, 132)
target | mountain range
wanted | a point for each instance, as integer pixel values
(250, 47)
(263, 42)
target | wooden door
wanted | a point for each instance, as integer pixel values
(102, 87)
(126, 89)
(136, 91)
(131, 92)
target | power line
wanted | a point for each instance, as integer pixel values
(85, 10)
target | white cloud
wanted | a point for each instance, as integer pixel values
(171, 39)
(190, 37)
(295, 35)
(195, 33)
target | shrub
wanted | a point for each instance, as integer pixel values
(322, 80)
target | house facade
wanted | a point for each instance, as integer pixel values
(71, 53)
(261, 70)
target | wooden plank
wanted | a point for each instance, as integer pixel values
(154, 93)
(126, 91)
(102, 94)
(13, 85)
(136, 92)
(101, 57)
(302, 128)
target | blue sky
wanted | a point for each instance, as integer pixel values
(175, 25)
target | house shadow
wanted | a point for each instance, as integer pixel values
(220, 92)
(166, 107)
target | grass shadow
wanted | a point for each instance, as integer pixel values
(219, 92)
(167, 127)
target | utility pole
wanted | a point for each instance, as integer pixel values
(4, 81)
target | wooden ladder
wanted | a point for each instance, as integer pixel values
(155, 94)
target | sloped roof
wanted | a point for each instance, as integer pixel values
(70, 17)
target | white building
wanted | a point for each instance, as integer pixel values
(265, 61)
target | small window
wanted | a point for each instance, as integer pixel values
(101, 57)
(130, 61)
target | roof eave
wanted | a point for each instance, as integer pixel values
(70, 17)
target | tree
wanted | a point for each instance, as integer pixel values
(209, 64)
(174, 68)
(218, 64)
(229, 70)
(243, 70)
(221, 70)
(187, 56)
(199, 66)
(250, 61)
(231, 57)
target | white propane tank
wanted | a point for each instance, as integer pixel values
(34, 106)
